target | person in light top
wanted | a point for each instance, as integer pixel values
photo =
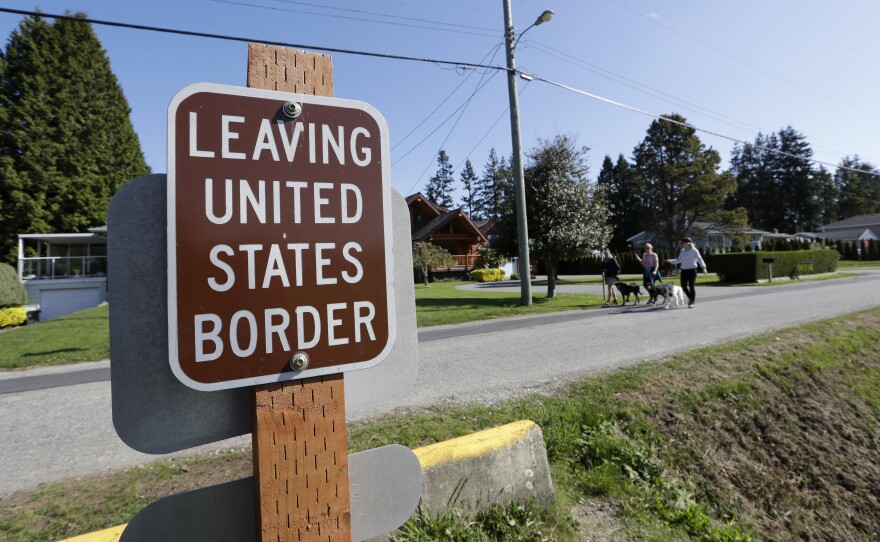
(651, 263)
(689, 258)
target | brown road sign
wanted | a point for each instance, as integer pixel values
(279, 236)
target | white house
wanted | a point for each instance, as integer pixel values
(63, 272)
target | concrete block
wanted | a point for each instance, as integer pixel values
(500, 465)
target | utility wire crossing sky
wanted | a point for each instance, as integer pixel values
(778, 46)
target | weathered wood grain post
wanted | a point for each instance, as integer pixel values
(299, 437)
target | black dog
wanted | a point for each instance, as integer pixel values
(655, 291)
(629, 289)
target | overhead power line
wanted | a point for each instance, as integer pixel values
(387, 15)
(691, 126)
(405, 58)
(490, 55)
(241, 39)
(741, 61)
(355, 18)
(659, 94)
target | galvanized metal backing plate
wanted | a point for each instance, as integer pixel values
(386, 484)
(153, 412)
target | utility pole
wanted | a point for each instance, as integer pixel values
(519, 188)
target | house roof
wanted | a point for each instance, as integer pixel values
(708, 227)
(486, 226)
(433, 225)
(418, 196)
(438, 222)
(862, 221)
(700, 228)
(849, 234)
(67, 238)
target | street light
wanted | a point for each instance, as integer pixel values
(519, 191)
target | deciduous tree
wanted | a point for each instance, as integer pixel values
(427, 256)
(567, 215)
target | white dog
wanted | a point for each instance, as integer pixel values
(673, 291)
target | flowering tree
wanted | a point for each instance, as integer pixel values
(427, 256)
(567, 215)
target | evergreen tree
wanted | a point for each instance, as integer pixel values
(797, 180)
(778, 185)
(495, 187)
(679, 180)
(439, 188)
(471, 201)
(625, 203)
(66, 140)
(858, 193)
(829, 196)
(756, 187)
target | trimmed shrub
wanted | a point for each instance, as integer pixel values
(12, 292)
(749, 267)
(487, 275)
(12, 316)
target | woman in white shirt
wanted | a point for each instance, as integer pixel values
(690, 259)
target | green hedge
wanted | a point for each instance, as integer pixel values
(749, 267)
(12, 292)
(487, 275)
(592, 265)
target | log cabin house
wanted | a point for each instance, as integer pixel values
(452, 230)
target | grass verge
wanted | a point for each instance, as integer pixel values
(771, 438)
(441, 303)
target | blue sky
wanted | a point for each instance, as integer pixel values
(734, 68)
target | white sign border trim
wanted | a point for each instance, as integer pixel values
(384, 146)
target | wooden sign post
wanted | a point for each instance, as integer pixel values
(299, 437)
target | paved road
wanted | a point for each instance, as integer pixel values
(56, 422)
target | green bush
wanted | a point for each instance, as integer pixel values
(749, 267)
(12, 316)
(487, 275)
(12, 292)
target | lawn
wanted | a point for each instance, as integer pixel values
(441, 303)
(849, 265)
(82, 336)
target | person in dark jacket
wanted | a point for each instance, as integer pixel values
(610, 271)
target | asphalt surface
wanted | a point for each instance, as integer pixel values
(56, 422)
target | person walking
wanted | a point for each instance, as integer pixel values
(610, 272)
(651, 264)
(689, 258)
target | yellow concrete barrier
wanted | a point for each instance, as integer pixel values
(501, 464)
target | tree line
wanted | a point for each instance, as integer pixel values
(673, 182)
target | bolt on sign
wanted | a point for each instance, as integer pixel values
(279, 236)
